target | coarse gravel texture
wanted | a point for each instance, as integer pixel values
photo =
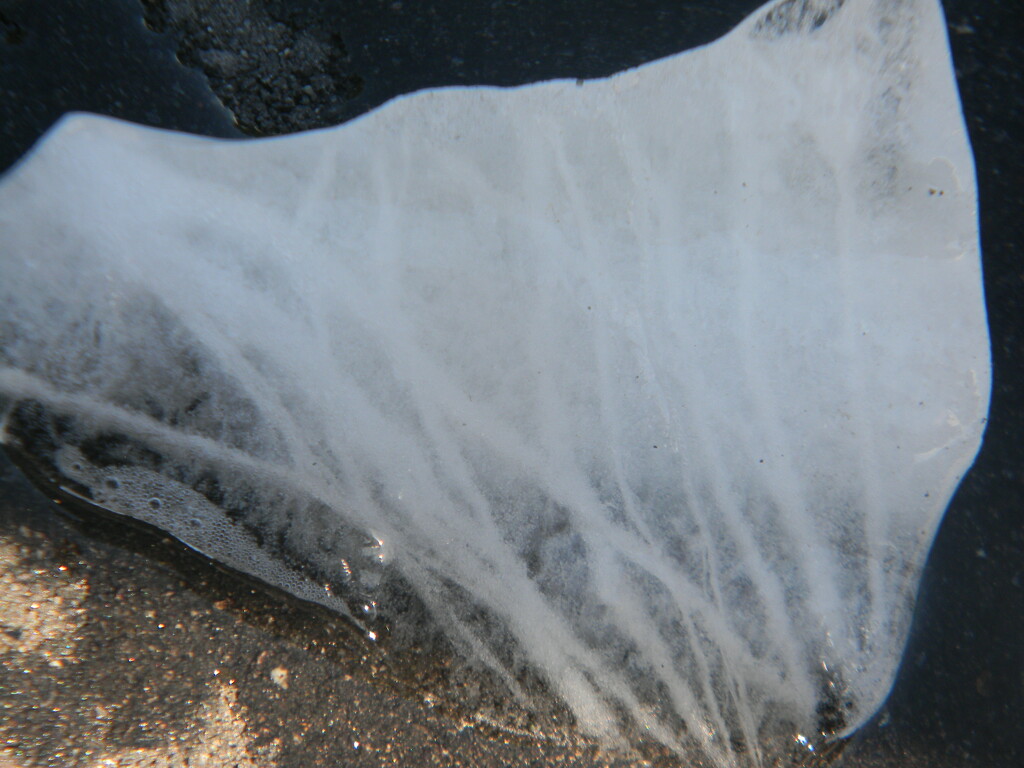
(279, 66)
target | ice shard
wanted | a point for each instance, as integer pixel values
(656, 386)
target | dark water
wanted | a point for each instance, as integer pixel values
(960, 691)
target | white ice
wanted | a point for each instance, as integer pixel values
(672, 374)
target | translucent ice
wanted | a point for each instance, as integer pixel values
(656, 386)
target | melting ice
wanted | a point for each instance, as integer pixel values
(655, 387)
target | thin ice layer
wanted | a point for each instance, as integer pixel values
(656, 385)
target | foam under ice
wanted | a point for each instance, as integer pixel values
(656, 385)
